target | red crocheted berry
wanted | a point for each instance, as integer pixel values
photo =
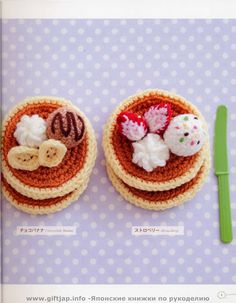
(158, 118)
(132, 126)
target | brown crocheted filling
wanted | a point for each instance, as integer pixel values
(163, 196)
(44, 177)
(20, 199)
(175, 167)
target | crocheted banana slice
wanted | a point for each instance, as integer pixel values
(23, 157)
(51, 153)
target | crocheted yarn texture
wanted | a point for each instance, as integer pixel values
(46, 190)
(166, 186)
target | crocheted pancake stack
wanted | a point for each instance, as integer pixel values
(48, 152)
(157, 150)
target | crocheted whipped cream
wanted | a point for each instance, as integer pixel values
(150, 152)
(30, 131)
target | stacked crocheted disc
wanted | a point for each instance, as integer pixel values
(157, 149)
(48, 152)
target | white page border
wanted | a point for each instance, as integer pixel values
(119, 9)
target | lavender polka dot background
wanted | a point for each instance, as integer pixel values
(96, 64)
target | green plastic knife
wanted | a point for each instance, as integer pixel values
(222, 173)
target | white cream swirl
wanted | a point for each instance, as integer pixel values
(30, 131)
(150, 152)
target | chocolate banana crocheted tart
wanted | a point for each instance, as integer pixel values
(48, 152)
(156, 148)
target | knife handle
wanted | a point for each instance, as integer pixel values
(226, 233)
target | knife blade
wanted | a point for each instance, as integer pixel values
(222, 173)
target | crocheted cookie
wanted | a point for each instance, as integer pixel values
(160, 200)
(48, 182)
(66, 125)
(119, 150)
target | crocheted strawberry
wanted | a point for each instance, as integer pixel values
(158, 118)
(132, 126)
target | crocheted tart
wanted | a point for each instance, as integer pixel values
(161, 200)
(48, 182)
(118, 150)
(41, 207)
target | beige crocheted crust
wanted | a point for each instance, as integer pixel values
(178, 200)
(132, 180)
(72, 197)
(67, 187)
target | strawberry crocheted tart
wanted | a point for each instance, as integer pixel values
(156, 148)
(48, 152)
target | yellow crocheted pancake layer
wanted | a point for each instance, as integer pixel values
(41, 207)
(45, 182)
(118, 150)
(160, 200)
